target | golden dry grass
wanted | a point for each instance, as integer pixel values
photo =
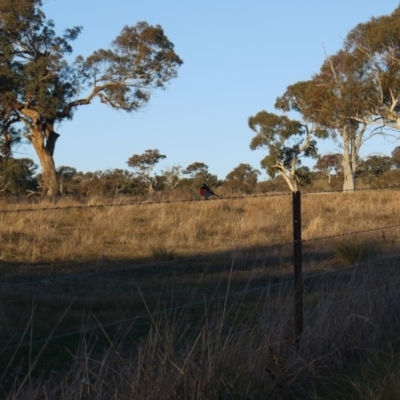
(213, 279)
(188, 228)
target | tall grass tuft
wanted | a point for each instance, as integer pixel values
(353, 252)
(161, 253)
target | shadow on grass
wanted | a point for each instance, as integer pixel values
(46, 308)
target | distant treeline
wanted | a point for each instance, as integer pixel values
(20, 177)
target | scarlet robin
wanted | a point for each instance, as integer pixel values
(206, 192)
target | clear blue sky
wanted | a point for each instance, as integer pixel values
(239, 55)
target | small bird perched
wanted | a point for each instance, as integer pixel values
(206, 192)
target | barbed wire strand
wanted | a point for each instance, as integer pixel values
(204, 301)
(306, 275)
(386, 286)
(240, 197)
(143, 316)
(351, 233)
(390, 187)
(247, 330)
(172, 309)
(146, 202)
(190, 258)
(48, 280)
(197, 257)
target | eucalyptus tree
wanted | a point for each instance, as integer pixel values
(143, 165)
(354, 96)
(18, 176)
(198, 174)
(356, 93)
(377, 165)
(287, 140)
(396, 157)
(244, 173)
(65, 176)
(117, 182)
(40, 88)
(343, 99)
(334, 102)
(328, 164)
(242, 178)
(375, 48)
(172, 176)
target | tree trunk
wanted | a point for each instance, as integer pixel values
(45, 154)
(289, 175)
(291, 181)
(349, 159)
(349, 182)
(349, 167)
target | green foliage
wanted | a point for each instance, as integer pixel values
(143, 165)
(34, 71)
(9, 138)
(141, 58)
(18, 176)
(243, 173)
(39, 87)
(396, 157)
(111, 182)
(286, 140)
(198, 174)
(356, 88)
(273, 132)
(242, 178)
(196, 169)
(376, 43)
(65, 177)
(273, 129)
(329, 163)
(304, 175)
(377, 165)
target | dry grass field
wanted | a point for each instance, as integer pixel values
(193, 299)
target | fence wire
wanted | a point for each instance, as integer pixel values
(179, 260)
(350, 233)
(143, 203)
(76, 331)
(204, 302)
(193, 200)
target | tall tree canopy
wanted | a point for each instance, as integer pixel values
(328, 164)
(354, 96)
(287, 141)
(198, 174)
(17, 176)
(143, 164)
(356, 93)
(243, 177)
(39, 87)
(396, 157)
